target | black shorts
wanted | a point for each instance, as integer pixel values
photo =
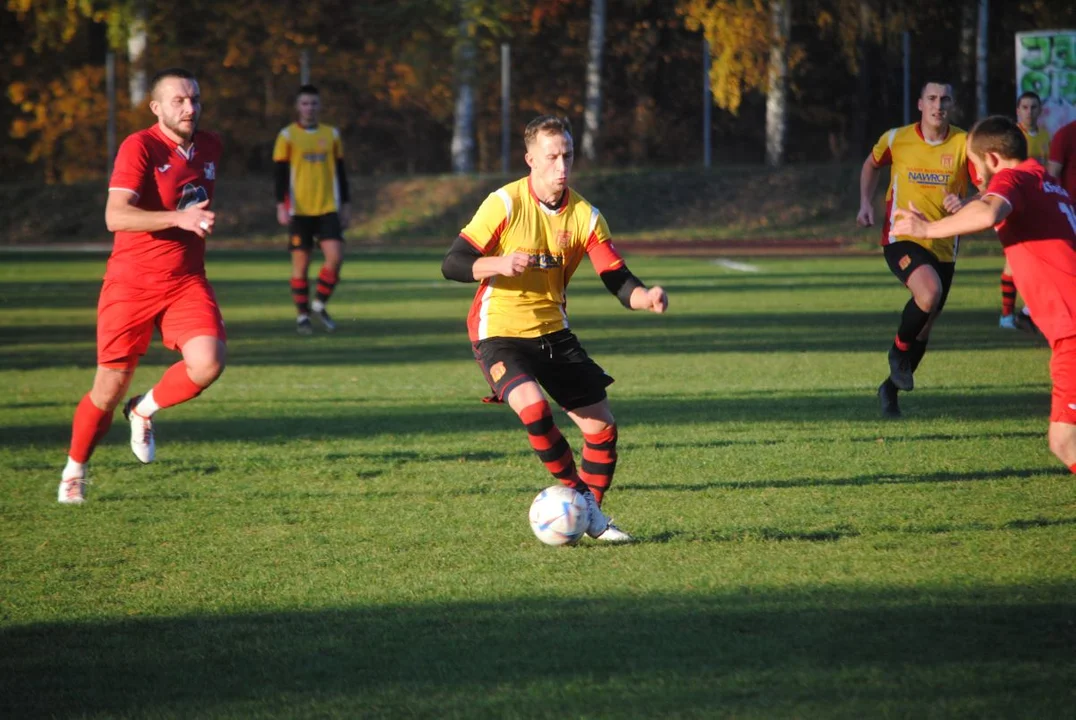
(303, 230)
(556, 361)
(905, 256)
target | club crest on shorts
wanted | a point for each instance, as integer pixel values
(564, 238)
(905, 262)
(210, 171)
(948, 162)
(296, 241)
(497, 371)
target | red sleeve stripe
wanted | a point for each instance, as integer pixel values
(603, 255)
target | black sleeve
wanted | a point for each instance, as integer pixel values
(282, 178)
(341, 176)
(458, 264)
(621, 283)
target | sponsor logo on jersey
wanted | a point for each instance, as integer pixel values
(192, 195)
(564, 239)
(948, 162)
(1052, 188)
(210, 171)
(164, 168)
(545, 261)
(497, 371)
(315, 157)
(934, 179)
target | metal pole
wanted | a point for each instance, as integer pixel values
(707, 104)
(304, 66)
(506, 78)
(906, 42)
(110, 92)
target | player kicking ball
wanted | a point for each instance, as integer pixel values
(1036, 224)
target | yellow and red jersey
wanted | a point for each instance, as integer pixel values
(312, 153)
(1038, 144)
(922, 172)
(533, 303)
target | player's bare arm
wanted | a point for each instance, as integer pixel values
(122, 215)
(465, 263)
(868, 183)
(974, 216)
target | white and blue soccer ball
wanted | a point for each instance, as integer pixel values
(559, 516)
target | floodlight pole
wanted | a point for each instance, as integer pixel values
(506, 79)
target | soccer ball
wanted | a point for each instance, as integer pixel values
(559, 516)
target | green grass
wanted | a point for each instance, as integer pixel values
(338, 527)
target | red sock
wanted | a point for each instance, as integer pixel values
(327, 280)
(300, 295)
(552, 449)
(89, 426)
(1008, 294)
(175, 387)
(1072, 468)
(599, 461)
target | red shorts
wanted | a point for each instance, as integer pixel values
(126, 317)
(1063, 375)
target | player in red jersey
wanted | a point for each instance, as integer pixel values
(158, 208)
(1062, 162)
(1036, 224)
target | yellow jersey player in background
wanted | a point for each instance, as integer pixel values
(522, 247)
(1028, 111)
(312, 202)
(928, 167)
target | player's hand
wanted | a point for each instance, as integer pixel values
(952, 203)
(345, 215)
(197, 219)
(910, 222)
(865, 218)
(657, 299)
(514, 264)
(282, 214)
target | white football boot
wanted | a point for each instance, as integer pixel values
(72, 490)
(601, 527)
(142, 443)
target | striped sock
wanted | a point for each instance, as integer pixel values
(1008, 294)
(552, 449)
(599, 461)
(300, 295)
(327, 279)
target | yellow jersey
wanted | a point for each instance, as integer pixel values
(312, 153)
(533, 303)
(1038, 144)
(922, 172)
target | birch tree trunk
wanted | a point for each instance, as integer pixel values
(593, 106)
(137, 78)
(777, 95)
(463, 145)
(981, 48)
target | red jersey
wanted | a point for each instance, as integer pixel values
(1063, 152)
(162, 176)
(1039, 237)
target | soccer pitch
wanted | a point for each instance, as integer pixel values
(338, 527)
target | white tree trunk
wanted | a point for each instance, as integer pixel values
(593, 107)
(777, 94)
(981, 48)
(463, 144)
(965, 91)
(137, 78)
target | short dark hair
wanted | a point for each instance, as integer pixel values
(307, 90)
(998, 134)
(1030, 94)
(172, 72)
(923, 87)
(546, 124)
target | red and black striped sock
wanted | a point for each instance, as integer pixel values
(552, 449)
(1008, 294)
(599, 461)
(300, 295)
(327, 279)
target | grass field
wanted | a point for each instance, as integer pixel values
(338, 527)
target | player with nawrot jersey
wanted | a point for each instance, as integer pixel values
(158, 207)
(312, 201)
(1036, 224)
(1062, 162)
(523, 246)
(928, 167)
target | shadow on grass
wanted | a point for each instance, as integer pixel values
(351, 419)
(814, 652)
